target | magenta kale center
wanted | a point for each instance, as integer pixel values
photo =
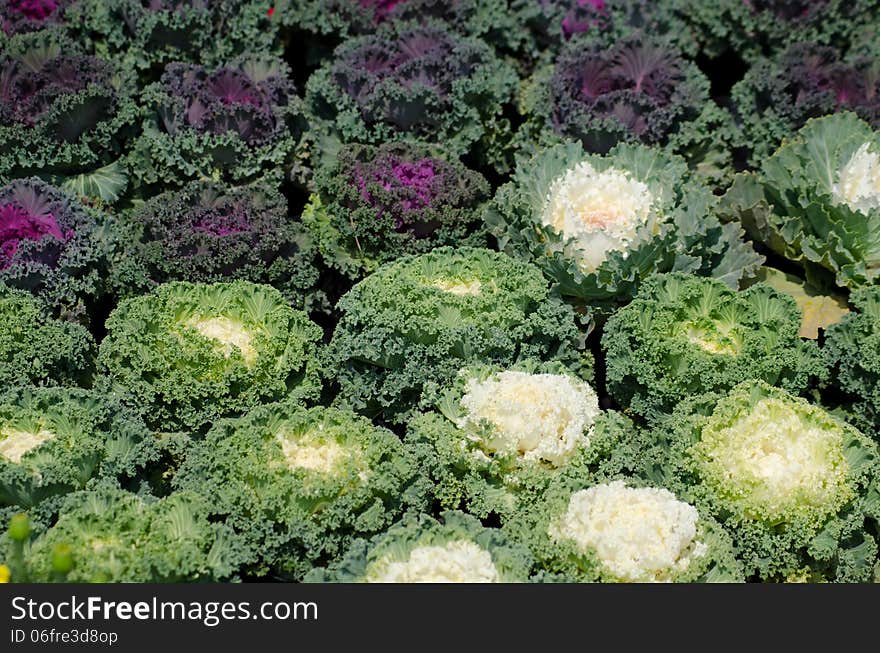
(35, 10)
(18, 224)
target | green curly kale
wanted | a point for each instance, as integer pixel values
(298, 484)
(503, 434)
(148, 34)
(420, 319)
(35, 349)
(796, 487)
(685, 335)
(189, 353)
(487, 19)
(56, 440)
(419, 549)
(112, 536)
(853, 349)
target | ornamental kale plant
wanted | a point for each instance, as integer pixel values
(853, 349)
(62, 112)
(57, 440)
(375, 204)
(111, 536)
(487, 19)
(234, 122)
(501, 436)
(685, 335)
(439, 290)
(754, 27)
(188, 353)
(816, 201)
(37, 350)
(419, 320)
(623, 530)
(552, 23)
(52, 246)
(298, 484)
(637, 90)
(419, 549)
(778, 95)
(796, 487)
(599, 225)
(151, 33)
(209, 232)
(414, 82)
(20, 16)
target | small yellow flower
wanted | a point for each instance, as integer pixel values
(5, 574)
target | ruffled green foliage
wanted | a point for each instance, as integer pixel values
(422, 318)
(112, 536)
(421, 83)
(758, 26)
(149, 34)
(778, 95)
(635, 90)
(796, 487)
(190, 353)
(388, 557)
(298, 484)
(53, 246)
(373, 205)
(552, 23)
(853, 349)
(487, 19)
(235, 122)
(708, 557)
(62, 112)
(679, 231)
(35, 349)
(815, 201)
(685, 335)
(57, 440)
(210, 232)
(542, 425)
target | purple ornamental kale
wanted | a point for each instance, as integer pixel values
(398, 199)
(582, 16)
(19, 16)
(633, 84)
(227, 99)
(817, 82)
(28, 92)
(208, 232)
(381, 8)
(779, 95)
(205, 225)
(37, 222)
(401, 188)
(422, 63)
(24, 219)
